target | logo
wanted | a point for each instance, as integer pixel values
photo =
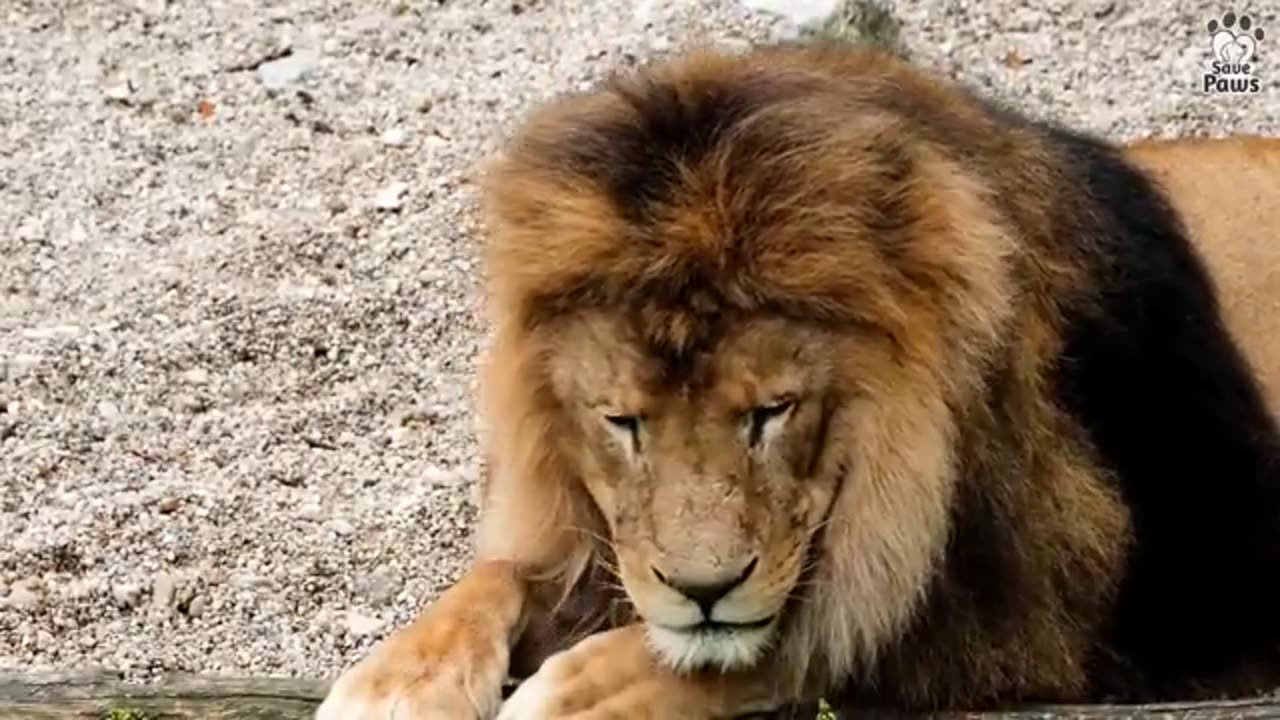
(1233, 66)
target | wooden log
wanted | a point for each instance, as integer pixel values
(106, 696)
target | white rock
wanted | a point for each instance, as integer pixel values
(341, 527)
(119, 92)
(247, 581)
(399, 437)
(34, 583)
(436, 475)
(108, 410)
(48, 333)
(22, 598)
(150, 7)
(379, 587)
(643, 12)
(391, 197)
(163, 591)
(16, 367)
(31, 231)
(126, 595)
(277, 74)
(360, 625)
(196, 376)
(395, 137)
(81, 589)
(805, 14)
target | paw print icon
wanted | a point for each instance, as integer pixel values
(1234, 40)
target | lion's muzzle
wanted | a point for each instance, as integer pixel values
(706, 593)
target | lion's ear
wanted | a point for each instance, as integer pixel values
(532, 510)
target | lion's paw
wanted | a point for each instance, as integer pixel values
(450, 663)
(608, 675)
(381, 690)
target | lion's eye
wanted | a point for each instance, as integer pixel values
(629, 424)
(762, 416)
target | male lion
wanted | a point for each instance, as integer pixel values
(814, 375)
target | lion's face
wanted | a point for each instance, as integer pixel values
(712, 485)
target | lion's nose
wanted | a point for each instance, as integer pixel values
(706, 593)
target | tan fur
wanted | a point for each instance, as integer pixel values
(612, 675)
(1228, 192)
(593, 320)
(449, 662)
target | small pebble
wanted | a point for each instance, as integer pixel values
(278, 74)
(126, 596)
(81, 589)
(805, 14)
(190, 403)
(197, 606)
(119, 92)
(23, 598)
(52, 332)
(395, 137)
(196, 376)
(17, 367)
(401, 436)
(379, 587)
(163, 591)
(391, 197)
(184, 596)
(361, 625)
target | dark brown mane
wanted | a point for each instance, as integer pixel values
(721, 187)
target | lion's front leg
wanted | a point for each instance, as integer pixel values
(449, 663)
(614, 675)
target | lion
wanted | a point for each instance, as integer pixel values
(813, 375)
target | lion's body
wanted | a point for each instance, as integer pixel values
(1054, 477)
(836, 379)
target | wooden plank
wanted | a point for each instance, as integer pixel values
(104, 695)
(97, 695)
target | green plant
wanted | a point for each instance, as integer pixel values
(125, 714)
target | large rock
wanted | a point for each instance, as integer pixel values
(805, 14)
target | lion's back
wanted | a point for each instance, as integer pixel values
(1228, 194)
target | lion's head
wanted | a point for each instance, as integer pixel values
(735, 303)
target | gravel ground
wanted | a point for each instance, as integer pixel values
(237, 312)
